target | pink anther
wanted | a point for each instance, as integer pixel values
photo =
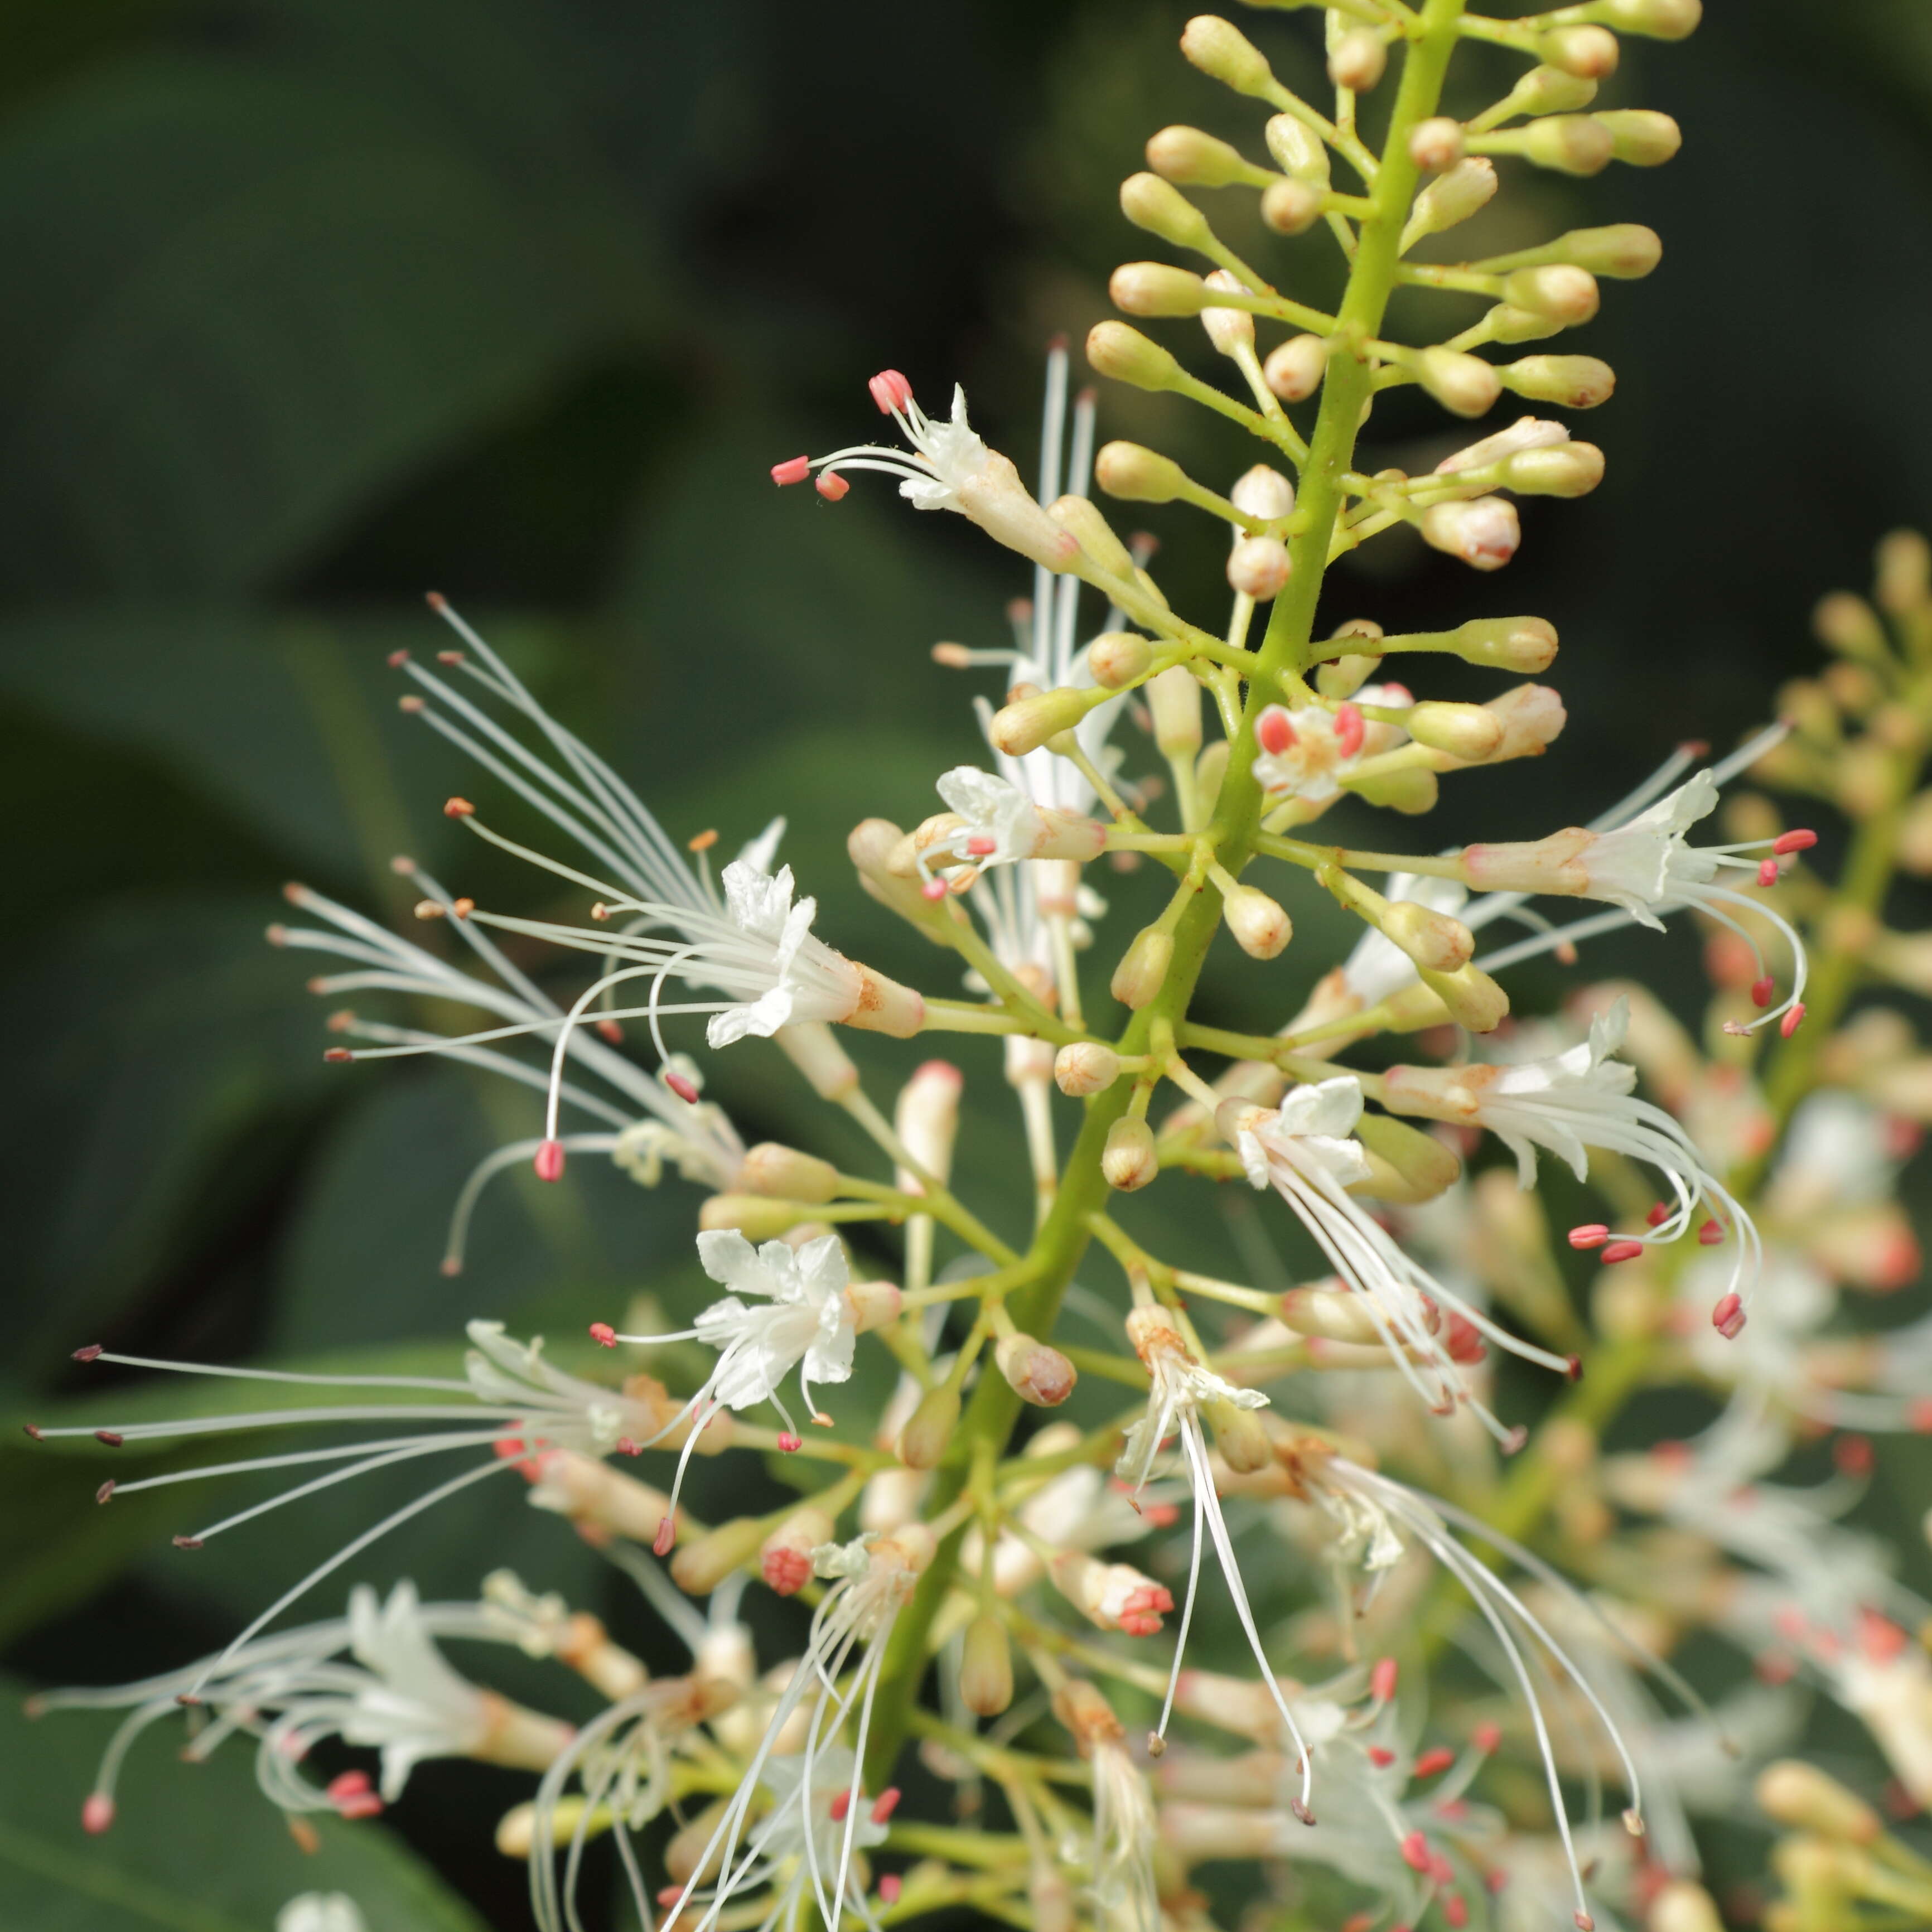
(890, 390)
(1273, 731)
(982, 845)
(603, 1334)
(1590, 1234)
(1381, 1756)
(1486, 1737)
(1415, 1851)
(1793, 1021)
(1440, 1758)
(1660, 1213)
(1728, 1317)
(685, 1089)
(842, 1803)
(933, 888)
(1800, 841)
(1349, 730)
(1763, 990)
(97, 1814)
(549, 1161)
(790, 1444)
(831, 486)
(890, 1886)
(1620, 1251)
(109, 1437)
(787, 1571)
(1710, 1234)
(667, 1535)
(795, 469)
(885, 1804)
(1767, 872)
(1382, 1678)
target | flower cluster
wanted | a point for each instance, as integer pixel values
(1438, 1623)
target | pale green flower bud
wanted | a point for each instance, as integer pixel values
(783, 1172)
(1683, 1907)
(1210, 769)
(1263, 492)
(1161, 209)
(1474, 999)
(1435, 144)
(1508, 323)
(1568, 296)
(1094, 535)
(700, 1566)
(1261, 928)
(813, 1049)
(1196, 160)
(1357, 59)
(1027, 724)
(1564, 470)
(1137, 475)
(1258, 567)
(756, 1216)
(1470, 732)
(1660, 19)
(1128, 1160)
(1143, 967)
(1290, 207)
(1482, 531)
(1577, 381)
(1799, 1796)
(1298, 150)
(1452, 196)
(1035, 1373)
(1223, 53)
(1342, 677)
(1586, 53)
(1408, 791)
(1466, 385)
(1625, 251)
(985, 1668)
(1117, 658)
(922, 1440)
(1294, 368)
(1114, 349)
(1174, 698)
(1406, 1166)
(1904, 577)
(1850, 626)
(1157, 288)
(1231, 330)
(1506, 643)
(1437, 943)
(1549, 90)
(1571, 144)
(1241, 1438)
(1640, 137)
(1086, 1066)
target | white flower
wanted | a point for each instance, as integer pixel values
(1306, 753)
(320, 1912)
(1305, 1150)
(1000, 825)
(1525, 433)
(951, 468)
(1579, 1099)
(807, 979)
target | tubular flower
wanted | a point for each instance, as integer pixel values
(949, 467)
(1304, 1151)
(998, 824)
(1579, 1099)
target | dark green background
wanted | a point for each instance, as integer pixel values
(314, 305)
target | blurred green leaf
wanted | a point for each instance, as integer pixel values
(193, 1848)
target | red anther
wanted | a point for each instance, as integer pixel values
(458, 807)
(603, 1334)
(348, 1784)
(1800, 841)
(685, 1089)
(885, 1804)
(1486, 1736)
(97, 1814)
(1620, 1251)
(462, 908)
(1660, 1213)
(1380, 1757)
(933, 888)
(1415, 1851)
(790, 1444)
(667, 1535)
(187, 1542)
(794, 470)
(1439, 1758)
(108, 1436)
(670, 1894)
(1464, 1340)
(1514, 1440)
(1728, 1317)
(1301, 1811)
(1455, 1910)
(33, 1432)
(1495, 1881)
(1381, 1679)
(625, 1447)
(1590, 1234)
(786, 1571)
(106, 1491)
(1584, 1923)
(1440, 1869)
(1793, 1021)
(92, 1353)
(831, 486)
(409, 704)
(336, 1055)
(1774, 1667)
(1273, 731)
(1852, 1455)
(890, 1886)
(1763, 990)
(452, 659)
(890, 390)
(1573, 1368)
(365, 1805)
(1767, 872)
(611, 1033)
(450, 1267)
(397, 659)
(1350, 729)
(1880, 1638)
(549, 1161)
(1359, 1921)
(436, 601)
(842, 1803)
(981, 846)
(1710, 1234)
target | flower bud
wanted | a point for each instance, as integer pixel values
(1174, 698)
(1264, 492)
(1802, 1798)
(1585, 53)
(1114, 349)
(756, 1216)
(1409, 791)
(1904, 573)
(1035, 1373)
(1231, 330)
(1293, 369)
(1161, 209)
(985, 1668)
(1143, 967)
(1297, 150)
(1406, 1166)
(1483, 531)
(1086, 1066)
(1290, 207)
(1435, 144)
(1850, 626)
(1507, 323)
(1570, 144)
(1128, 1159)
(1640, 137)
(1661, 19)
(1683, 1906)
(1258, 567)
(1467, 731)
(1452, 196)
(1137, 476)
(1533, 717)
(1434, 940)
(1196, 160)
(1331, 1315)
(1508, 644)
(926, 1118)
(1117, 658)
(1549, 90)
(700, 1566)
(1357, 59)
(1577, 381)
(813, 1049)
(1210, 769)
(1028, 722)
(1222, 52)
(1156, 288)
(922, 1440)
(1566, 470)
(1466, 385)
(1261, 928)
(873, 1303)
(695, 1850)
(1082, 519)
(1241, 1438)
(1112, 1596)
(785, 1172)
(1626, 251)
(1567, 296)
(1474, 999)
(784, 1558)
